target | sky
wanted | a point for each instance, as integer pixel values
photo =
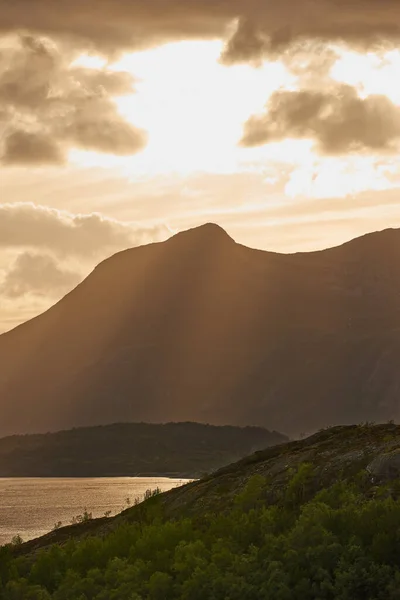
(123, 122)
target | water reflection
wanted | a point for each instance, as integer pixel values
(30, 507)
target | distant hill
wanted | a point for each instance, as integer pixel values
(199, 328)
(131, 449)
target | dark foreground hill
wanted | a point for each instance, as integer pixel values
(199, 328)
(313, 519)
(131, 449)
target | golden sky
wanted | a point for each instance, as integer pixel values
(122, 123)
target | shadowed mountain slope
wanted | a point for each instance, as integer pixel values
(203, 329)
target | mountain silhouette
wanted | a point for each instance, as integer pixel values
(200, 328)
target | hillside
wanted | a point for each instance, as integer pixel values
(131, 449)
(199, 328)
(317, 518)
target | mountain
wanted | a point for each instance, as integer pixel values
(315, 518)
(185, 450)
(200, 328)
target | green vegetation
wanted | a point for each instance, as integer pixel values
(274, 526)
(339, 545)
(132, 449)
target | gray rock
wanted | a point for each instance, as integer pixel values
(385, 466)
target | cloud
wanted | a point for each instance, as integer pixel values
(262, 28)
(94, 127)
(269, 29)
(252, 42)
(48, 105)
(90, 236)
(337, 119)
(311, 62)
(45, 252)
(25, 148)
(37, 274)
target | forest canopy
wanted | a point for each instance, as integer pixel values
(339, 544)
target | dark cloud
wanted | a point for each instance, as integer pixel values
(94, 126)
(248, 43)
(47, 105)
(337, 119)
(117, 24)
(88, 236)
(251, 42)
(270, 29)
(263, 27)
(37, 274)
(24, 148)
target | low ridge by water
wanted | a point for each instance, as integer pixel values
(30, 507)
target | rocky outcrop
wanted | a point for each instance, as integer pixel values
(385, 466)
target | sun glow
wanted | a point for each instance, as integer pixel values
(194, 109)
(370, 73)
(335, 177)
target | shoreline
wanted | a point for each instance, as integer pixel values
(144, 475)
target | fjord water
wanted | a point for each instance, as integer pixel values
(30, 507)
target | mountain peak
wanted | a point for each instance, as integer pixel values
(206, 233)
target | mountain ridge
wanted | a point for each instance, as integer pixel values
(201, 328)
